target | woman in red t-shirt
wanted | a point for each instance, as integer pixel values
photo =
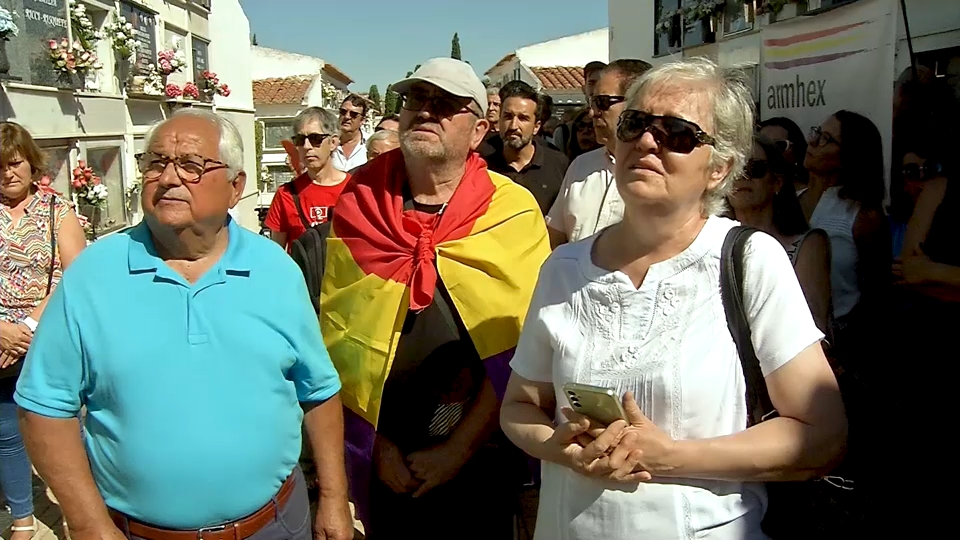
(318, 188)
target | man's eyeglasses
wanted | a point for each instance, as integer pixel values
(316, 139)
(603, 102)
(352, 114)
(913, 171)
(190, 168)
(821, 137)
(444, 106)
(672, 133)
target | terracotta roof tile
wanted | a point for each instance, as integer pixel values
(285, 91)
(559, 78)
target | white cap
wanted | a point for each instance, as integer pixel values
(449, 75)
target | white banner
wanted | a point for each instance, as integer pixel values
(843, 59)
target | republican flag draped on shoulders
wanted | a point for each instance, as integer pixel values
(488, 245)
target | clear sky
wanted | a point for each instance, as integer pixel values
(378, 41)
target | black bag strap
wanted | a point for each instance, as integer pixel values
(296, 202)
(731, 290)
(53, 242)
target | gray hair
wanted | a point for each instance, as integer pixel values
(329, 122)
(386, 135)
(493, 90)
(231, 142)
(733, 115)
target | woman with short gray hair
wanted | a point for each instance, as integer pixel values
(636, 310)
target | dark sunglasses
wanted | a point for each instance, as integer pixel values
(672, 133)
(442, 106)
(913, 171)
(756, 168)
(352, 114)
(782, 146)
(316, 139)
(603, 102)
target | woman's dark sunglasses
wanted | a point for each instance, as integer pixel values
(782, 146)
(316, 139)
(672, 133)
(756, 168)
(913, 171)
(442, 106)
(603, 103)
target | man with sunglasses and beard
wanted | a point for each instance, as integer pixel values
(431, 265)
(588, 200)
(309, 199)
(352, 151)
(519, 153)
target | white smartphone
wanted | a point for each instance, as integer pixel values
(600, 404)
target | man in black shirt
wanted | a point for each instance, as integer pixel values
(518, 153)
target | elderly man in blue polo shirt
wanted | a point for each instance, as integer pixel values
(192, 343)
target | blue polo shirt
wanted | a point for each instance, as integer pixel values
(191, 391)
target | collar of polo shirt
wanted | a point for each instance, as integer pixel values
(142, 256)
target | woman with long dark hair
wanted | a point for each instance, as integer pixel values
(789, 139)
(764, 197)
(845, 198)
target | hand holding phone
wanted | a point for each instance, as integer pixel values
(600, 404)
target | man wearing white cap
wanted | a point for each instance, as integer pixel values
(431, 265)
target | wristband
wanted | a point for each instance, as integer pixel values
(30, 323)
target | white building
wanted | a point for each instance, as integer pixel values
(639, 30)
(284, 84)
(554, 67)
(102, 119)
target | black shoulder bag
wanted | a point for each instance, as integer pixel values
(14, 369)
(309, 250)
(821, 508)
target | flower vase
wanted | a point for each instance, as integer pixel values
(90, 80)
(4, 60)
(92, 213)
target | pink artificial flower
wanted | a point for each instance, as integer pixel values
(224, 90)
(191, 90)
(44, 180)
(165, 66)
(53, 44)
(173, 91)
(81, 164)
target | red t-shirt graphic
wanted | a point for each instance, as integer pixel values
(316, 201)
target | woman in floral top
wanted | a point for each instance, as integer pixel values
(28, 273)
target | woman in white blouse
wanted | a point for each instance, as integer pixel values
(637, 308)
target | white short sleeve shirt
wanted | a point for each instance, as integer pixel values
(358, 157)
(588, 200)
(669, 344)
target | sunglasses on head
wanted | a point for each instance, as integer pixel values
(672, 133)
(352, 114)
(444, 106)
(756, 168)
(603, 102)
(913, 171)
(316, 139)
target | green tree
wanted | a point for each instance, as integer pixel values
(390, 101)
(253, 40)
(374, 96)
(455, 47)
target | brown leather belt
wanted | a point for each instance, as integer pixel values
(237, 530)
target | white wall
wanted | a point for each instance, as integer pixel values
(270, 63)
(576, 50)
(230, 58)
(631, 29)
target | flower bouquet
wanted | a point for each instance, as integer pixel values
(87, 186)
(210, 85)
(190, 91)
(70, 60)
(8, 28)
(121, 33)
(171, 61)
